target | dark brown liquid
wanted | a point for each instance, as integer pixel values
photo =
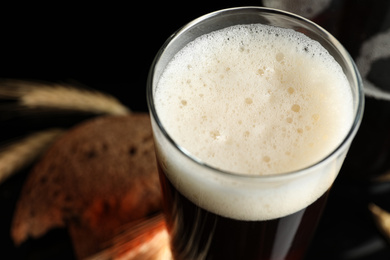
(199, 234)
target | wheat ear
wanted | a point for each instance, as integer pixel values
(21, 153)
(54, 95)
(382, 220)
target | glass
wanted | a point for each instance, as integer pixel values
(197, 232)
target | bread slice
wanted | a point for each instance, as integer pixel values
(94, 179)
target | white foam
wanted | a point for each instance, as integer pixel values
(257, 100)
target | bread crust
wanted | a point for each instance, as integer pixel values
(95, 178)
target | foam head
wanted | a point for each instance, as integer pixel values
(253, 99)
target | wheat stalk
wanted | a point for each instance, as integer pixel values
(25, 151)
(385, 177)
(34, 94)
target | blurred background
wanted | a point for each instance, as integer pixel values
(109, 47)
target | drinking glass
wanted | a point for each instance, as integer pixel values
(190, 185)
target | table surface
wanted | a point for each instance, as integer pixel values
(110, 48)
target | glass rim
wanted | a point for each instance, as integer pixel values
(358, 113)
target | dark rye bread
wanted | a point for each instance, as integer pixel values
(94, 179)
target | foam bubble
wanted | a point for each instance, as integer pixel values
(270, 97)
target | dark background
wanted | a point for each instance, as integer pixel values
(110, 47)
